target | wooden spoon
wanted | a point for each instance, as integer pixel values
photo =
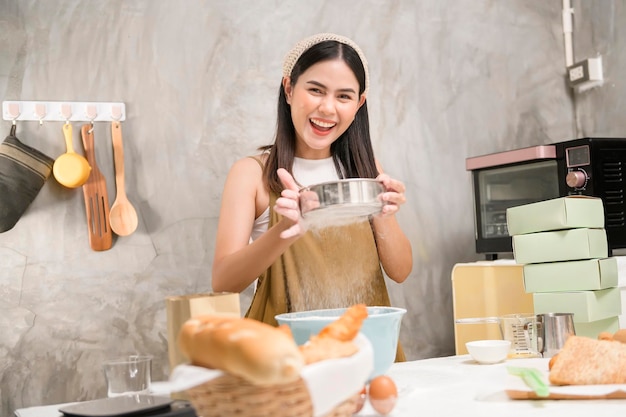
(122, 217)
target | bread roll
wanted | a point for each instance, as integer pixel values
(347, 326)
(255, 351)
(335, 340)
(322, 348)
(586, 361)
(620, 335)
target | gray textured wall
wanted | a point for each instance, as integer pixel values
(450, 79)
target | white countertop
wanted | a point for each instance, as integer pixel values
(458, 386)
(453, 386)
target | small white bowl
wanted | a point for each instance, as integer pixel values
(488, 351)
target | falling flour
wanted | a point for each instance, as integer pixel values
(340, 215)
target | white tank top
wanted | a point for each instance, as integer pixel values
(305, 172)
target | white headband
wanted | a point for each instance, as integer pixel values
(296, 52)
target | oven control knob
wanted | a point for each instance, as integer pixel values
(576, 179)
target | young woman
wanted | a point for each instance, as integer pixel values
(322, 135)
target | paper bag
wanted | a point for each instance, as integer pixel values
(181, 308)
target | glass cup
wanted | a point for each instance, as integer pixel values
(522, 331)
(130, 375)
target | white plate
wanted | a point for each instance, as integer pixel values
(116, 406)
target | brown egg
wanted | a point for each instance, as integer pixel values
(360, 402)
(383, 394)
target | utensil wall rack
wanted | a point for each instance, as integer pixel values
(63, 111)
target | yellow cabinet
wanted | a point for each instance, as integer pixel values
(486, 289)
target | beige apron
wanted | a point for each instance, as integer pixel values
(334, 267)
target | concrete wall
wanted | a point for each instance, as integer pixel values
(450, 79)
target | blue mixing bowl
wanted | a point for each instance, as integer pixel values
(381, 327)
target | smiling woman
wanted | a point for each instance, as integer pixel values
(322, 135)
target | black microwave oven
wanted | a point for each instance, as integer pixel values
(586, 166)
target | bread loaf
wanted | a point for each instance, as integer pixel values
(255, 351)
(586, 361)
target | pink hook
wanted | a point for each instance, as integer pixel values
(66, 112)
(14, 111)
(116, 112)
(40, 112)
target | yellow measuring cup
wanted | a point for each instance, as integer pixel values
(70, 169)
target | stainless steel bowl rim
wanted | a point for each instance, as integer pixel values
(341, 181)
(342, 199)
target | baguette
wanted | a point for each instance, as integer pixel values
(255, 351)
(586, 361)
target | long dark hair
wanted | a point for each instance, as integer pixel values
(352, 151)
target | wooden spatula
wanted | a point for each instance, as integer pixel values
(96, 199)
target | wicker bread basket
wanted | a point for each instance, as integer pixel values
(231, 396)
(327, 388)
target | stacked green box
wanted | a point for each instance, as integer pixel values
(563, 246)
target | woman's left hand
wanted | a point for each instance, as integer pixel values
(393, 196)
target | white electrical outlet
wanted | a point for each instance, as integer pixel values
(585, 74)
(576, 72)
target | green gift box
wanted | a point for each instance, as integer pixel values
(573, 212)
(594, 328)
(560, 245)
(587, 306)
(589, 274)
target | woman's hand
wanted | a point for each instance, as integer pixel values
(393, 196)
(287, 205)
